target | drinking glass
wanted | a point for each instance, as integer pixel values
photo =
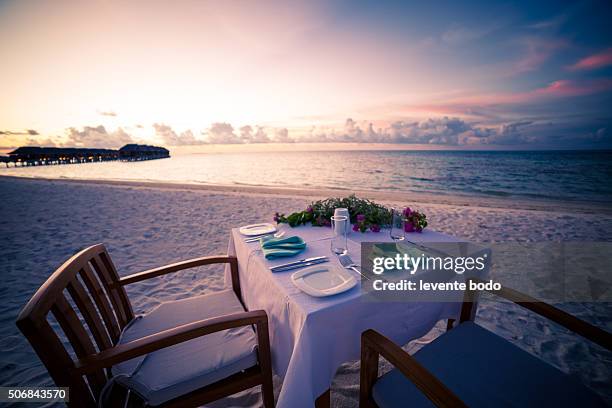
(397, 225)
(344, 212)
(338, 241)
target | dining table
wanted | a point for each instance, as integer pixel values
(311, 336)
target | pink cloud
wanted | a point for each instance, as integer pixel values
(470, 104)
(536, 52)
(565, 87)
(594, 61)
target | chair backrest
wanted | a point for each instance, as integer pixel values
(91, 308)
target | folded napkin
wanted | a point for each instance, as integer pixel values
(281, 247)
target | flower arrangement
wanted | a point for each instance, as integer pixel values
(364, 214)
(414, 221)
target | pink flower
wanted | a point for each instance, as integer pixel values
(407, 211)
(375, 228)
(356, 227)
(309, 209)
(408, 227)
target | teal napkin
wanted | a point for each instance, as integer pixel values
(281, 247)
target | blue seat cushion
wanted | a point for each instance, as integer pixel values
(484, 370)
(174, 371)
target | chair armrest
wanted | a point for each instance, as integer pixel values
(572, 323)
(179, 266)
(374, 344)
(169, 337)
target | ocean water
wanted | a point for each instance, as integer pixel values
(558, 175)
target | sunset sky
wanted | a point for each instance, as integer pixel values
(105, 73)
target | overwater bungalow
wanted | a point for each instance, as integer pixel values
(33, 155)
(136, 152)
(37, 156)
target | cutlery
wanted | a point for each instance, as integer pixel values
(255, 239)
(300, 265)
(347, 262)
(299, 261)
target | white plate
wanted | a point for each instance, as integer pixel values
(257, 229)
(323, 280)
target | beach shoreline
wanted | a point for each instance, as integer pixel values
(146, 225)
(393, 197)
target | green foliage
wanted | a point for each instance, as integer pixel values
(320, 212)
(415, 221)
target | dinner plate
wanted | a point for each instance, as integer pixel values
(257, 229)
(323, 280)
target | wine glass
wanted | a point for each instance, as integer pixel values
(397, 225)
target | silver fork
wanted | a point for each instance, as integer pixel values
(347, 262)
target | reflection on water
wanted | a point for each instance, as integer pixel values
(582, 176)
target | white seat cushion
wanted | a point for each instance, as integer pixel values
(484, 370)
(174, 371)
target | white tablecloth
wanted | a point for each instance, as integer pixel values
(311, 337)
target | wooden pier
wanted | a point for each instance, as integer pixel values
(42, 156)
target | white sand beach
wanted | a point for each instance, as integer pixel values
(43, 222)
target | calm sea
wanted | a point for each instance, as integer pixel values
(560, 175)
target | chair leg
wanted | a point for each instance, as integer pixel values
(450, 324)
(324, 400)
(267, 392)
(265, 362)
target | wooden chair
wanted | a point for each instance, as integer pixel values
(470, 366)
(86, 289)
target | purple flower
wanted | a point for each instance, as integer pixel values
(356, 227)
(309, 209)
(408, 227)
(361, 218)
(407, 211)
(375, 228)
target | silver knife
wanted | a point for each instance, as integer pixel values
(257, 237)
(300, 265)
(299, 262)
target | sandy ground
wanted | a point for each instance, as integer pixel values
(43, 222)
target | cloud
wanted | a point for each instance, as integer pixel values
(601, 135)
(171, 138)
(536, 51)
(282, 136)
(222, 133)
(452, 131)
(552, 23)
(29, 132)
(594, 61)
(247, 135)
(108, 113)
(97, 137)
(260, 136)
(568, 88)
(562, 88)
(47, 142)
